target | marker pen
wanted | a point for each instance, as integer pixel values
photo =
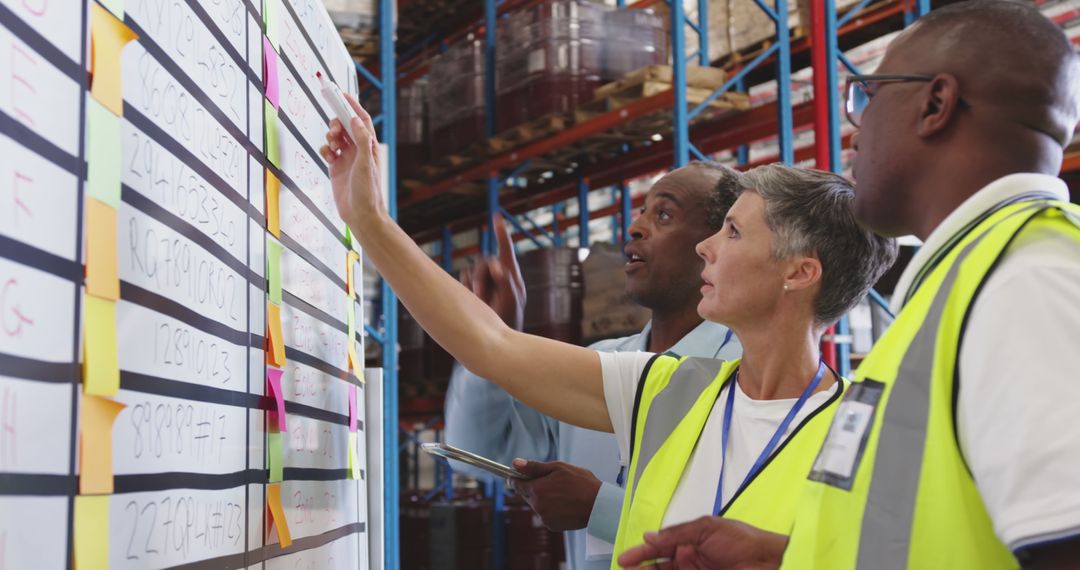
(341, 108)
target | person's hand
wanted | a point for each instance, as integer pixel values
(497, 280)
(355, 172)
(708, 542)
(562, 494)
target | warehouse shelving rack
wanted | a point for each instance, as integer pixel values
(434, 212)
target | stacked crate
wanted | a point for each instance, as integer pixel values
(552, 279)
(413, 150)
(549, 58)
(456, 97)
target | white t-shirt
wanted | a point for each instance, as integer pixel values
(1020, 373)
(753, 424)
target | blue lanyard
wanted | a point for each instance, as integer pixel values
(718, 504)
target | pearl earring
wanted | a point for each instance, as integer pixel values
(785, 286)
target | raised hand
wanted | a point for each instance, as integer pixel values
(497, 280)
(708, 543)
(355, 172)
(562, 494)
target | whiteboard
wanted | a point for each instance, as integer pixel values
(194, 154)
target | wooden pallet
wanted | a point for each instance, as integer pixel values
(655, 79)
(528, 132)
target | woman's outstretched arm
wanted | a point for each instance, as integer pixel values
(559, 379)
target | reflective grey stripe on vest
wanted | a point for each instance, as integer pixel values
(671, 405)
(889, 515)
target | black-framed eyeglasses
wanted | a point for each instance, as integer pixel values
(857, 95)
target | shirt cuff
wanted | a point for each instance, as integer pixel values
(604, 518)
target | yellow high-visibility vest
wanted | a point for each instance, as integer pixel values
(890, 488)
(674, 402)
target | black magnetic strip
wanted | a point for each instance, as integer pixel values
(295, 247)
(285, 120)
(311, 474)
(183, 313)
(224, 43)
(154, 210)
(254, 14)
(32, 369)
(38, 43)
(312, 311)
(27, 138)
(264, 553)
(303, 86)
(147, 384)
(156, 482)
(30, 256)
(293, 354)
(188, 158)
(39, 484)
(304, 33)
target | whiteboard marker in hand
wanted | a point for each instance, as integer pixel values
(341, 108)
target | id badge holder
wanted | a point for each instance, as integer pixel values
(842, 452)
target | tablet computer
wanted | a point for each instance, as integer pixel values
(451, 452)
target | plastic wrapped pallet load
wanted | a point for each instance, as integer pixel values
(607, 311)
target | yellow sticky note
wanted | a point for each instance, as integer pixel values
(102, 279)
(92, 532)
(273, 216)
(103, 160)
(95, 444)
(101, 368)
(273, 498)
(108, 36)
(275, 350)
(354, 460)
(270, 124)
(350, 268)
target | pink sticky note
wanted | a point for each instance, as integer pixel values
(273, 376)
(352, 407)
(270, 73)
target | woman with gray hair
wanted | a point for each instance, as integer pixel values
(701, 436)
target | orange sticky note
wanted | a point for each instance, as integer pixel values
(101, 368)
(273, 216)
(95, 444)
(275, 351)
(350, 267)
(102, 279)
(91, 532)
(108, 36)
(273, 499)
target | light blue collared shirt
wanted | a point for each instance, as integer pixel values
(484, 419)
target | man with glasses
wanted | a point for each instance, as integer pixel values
(958, 447)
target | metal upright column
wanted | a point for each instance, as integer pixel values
(783, 84)
(681, 119)
(446, 250)
(391, 477)
(490, 20)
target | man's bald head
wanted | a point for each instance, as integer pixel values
(1002, 98)
(1010, 60)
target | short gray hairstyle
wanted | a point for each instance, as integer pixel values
(811, 213)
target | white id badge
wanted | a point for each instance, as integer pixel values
(842, 451)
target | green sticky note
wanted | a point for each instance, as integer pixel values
(270, 19)
(348, 238)
(273, 271)
(270, 125)
(354, 460)
(275, 448)
(114, 6)
(103, 158)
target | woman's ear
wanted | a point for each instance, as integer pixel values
(802, 272)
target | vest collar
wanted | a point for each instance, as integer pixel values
(1002, 189)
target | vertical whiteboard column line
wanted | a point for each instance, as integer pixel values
(247, 297)
(77, 317)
